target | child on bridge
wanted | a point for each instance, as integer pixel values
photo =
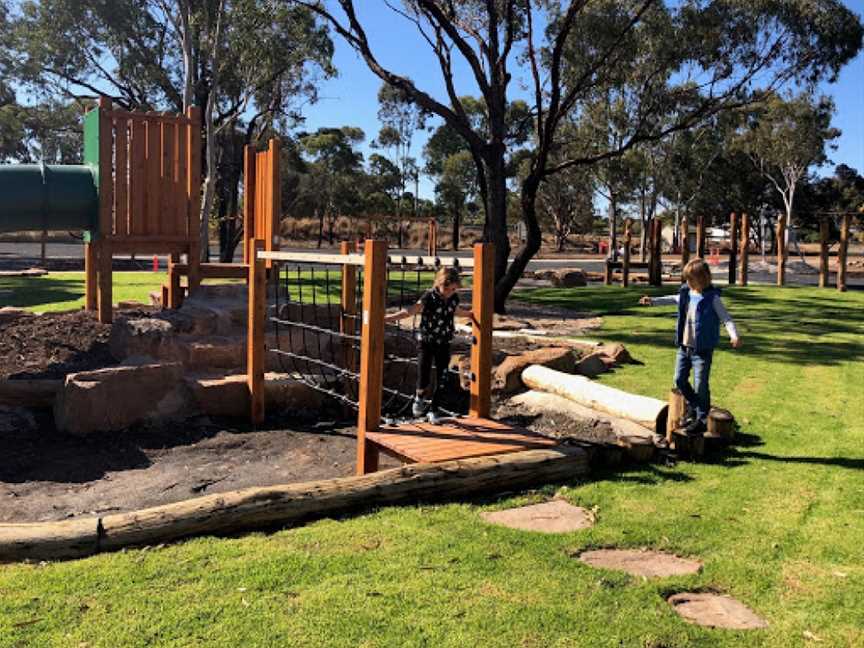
(437, 307)
(697, 333)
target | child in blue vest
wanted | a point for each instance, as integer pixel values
(700, 312)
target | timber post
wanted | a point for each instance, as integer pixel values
(823, 253)
(433, 238)
(700, 236)
(745, 249)
(677, 409)
(733, 247)
(193, 189)
(106, 202)
(371, 353)
(348, 307)
(482, 308)
(685, 241)
(843, 253)
(625, 262)
(249, 187)
(781, 250)
(255, 334)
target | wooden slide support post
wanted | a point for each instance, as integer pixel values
(843, 253)
(685, 241)
(823, 253)
(482, 307)
(781, 250)
(91, 267)
(745, 249)
(193, 191)
(248, 198)
(106, 204)
(733, 247)
(255, 334)
(371, 352)
(625, 262)
(700, 236)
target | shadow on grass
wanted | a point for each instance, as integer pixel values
(765, 318)
(29, 292)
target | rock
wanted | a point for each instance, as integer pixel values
(504, 323)
(507, 376)
(556, 516)
(146, 336)
(643, 563)
(592, 365)
(116, 397)
(229, 395)
(715, 611)
(132, 305)
(569, 278)
(618, 353)
(461, 362)
(16, 421)
(219, 352)
(10, 314)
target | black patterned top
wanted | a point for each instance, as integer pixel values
(436, 319)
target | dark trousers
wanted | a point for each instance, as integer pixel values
(700, 361)
(427, 354)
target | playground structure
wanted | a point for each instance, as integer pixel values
(347, 353)
(138, 192)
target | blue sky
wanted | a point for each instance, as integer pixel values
(351, 98)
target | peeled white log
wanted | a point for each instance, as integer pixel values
(648, 412)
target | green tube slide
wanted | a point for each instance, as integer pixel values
(47, 197)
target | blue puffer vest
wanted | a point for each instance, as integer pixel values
(707, 324)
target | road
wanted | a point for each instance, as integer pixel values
(28, 254)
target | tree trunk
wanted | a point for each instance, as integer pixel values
(456, 217)
(496, 219)
(527, 251)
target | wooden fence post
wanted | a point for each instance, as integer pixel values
(348, 307)
(843, 253)
(248, 199)
(733, 247)
(781, 250)
(823, 253)
(655, 269)
(745, 249)
(700, 237)
(685, 241)
(482, 307)
(255, 334)
(91, 268)
(371, 353)
(625, 262)
(433, 238)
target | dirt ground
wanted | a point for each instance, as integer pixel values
(52, 345)
(46, 475)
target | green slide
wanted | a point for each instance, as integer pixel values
(47, 197)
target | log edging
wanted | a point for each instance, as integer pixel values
(267, 507)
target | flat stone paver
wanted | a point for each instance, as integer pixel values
(556, 516)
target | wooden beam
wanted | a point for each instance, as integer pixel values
(745, 249)
(628, 239)
(248, 199)
(843, 253)
(482, 307)
(91, 274)
(823, 253)
(255, 334)
(175, 295)
(371, 353)
(106, 210)
(733, 247)
(193, 178)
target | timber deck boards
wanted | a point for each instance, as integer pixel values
(454, 439)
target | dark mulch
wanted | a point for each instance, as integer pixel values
(53, 345)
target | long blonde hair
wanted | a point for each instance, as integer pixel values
(446, 277)
(698, 273)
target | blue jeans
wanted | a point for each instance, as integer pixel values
(700, 398)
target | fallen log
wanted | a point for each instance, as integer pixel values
(255, 508)
(647, 412)
(29, 393)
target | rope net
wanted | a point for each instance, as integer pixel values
(315, 315)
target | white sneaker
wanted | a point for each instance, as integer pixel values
(434, 417)
(420, 406)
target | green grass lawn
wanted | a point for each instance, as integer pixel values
(778, 521)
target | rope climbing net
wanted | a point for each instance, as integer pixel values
(315, 324)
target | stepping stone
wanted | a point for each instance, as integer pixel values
(715, 611)
(556, 516)
(650, 564)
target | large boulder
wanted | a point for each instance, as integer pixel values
(507, 376)
(229, 395)
(116, 397)
(594, 364)
(152, 337)
(569, 278)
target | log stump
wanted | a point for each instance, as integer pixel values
(721, 425)
(677, 409)
(687, 446)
